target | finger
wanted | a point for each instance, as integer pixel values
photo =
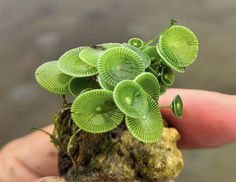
(51, 179)
(208, 119)
(28, 158)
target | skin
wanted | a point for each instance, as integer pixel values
(208, 121)
(209, 118)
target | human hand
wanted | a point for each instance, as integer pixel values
(28, 158)
(209, 120)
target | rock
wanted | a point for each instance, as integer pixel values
(61, 179)
(123, 158)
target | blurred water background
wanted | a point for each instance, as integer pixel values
(32, 32)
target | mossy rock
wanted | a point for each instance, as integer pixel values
(117, 156)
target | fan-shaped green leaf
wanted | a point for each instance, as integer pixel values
(52, 79)
(111, 45)
(149, 83)
(85, 90)
(119, 63)
(91, 55)
(147, 129)
(104, 84)
(178, 47)
(146, 59)
(95, 111)
(177, 106)
(131, 99)
(77, 85)
(70, 64)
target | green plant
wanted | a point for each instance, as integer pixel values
(115, 83)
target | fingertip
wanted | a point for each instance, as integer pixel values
(51, 179)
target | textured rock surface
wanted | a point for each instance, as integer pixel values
(60, 179)
(123, 158)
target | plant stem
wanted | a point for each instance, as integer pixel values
(150, 69)
(164, 107)
(70, 145)
(172, 22)
(64, 100)
(39, 129)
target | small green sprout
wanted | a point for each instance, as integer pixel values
(136, 42)
(116, 83)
